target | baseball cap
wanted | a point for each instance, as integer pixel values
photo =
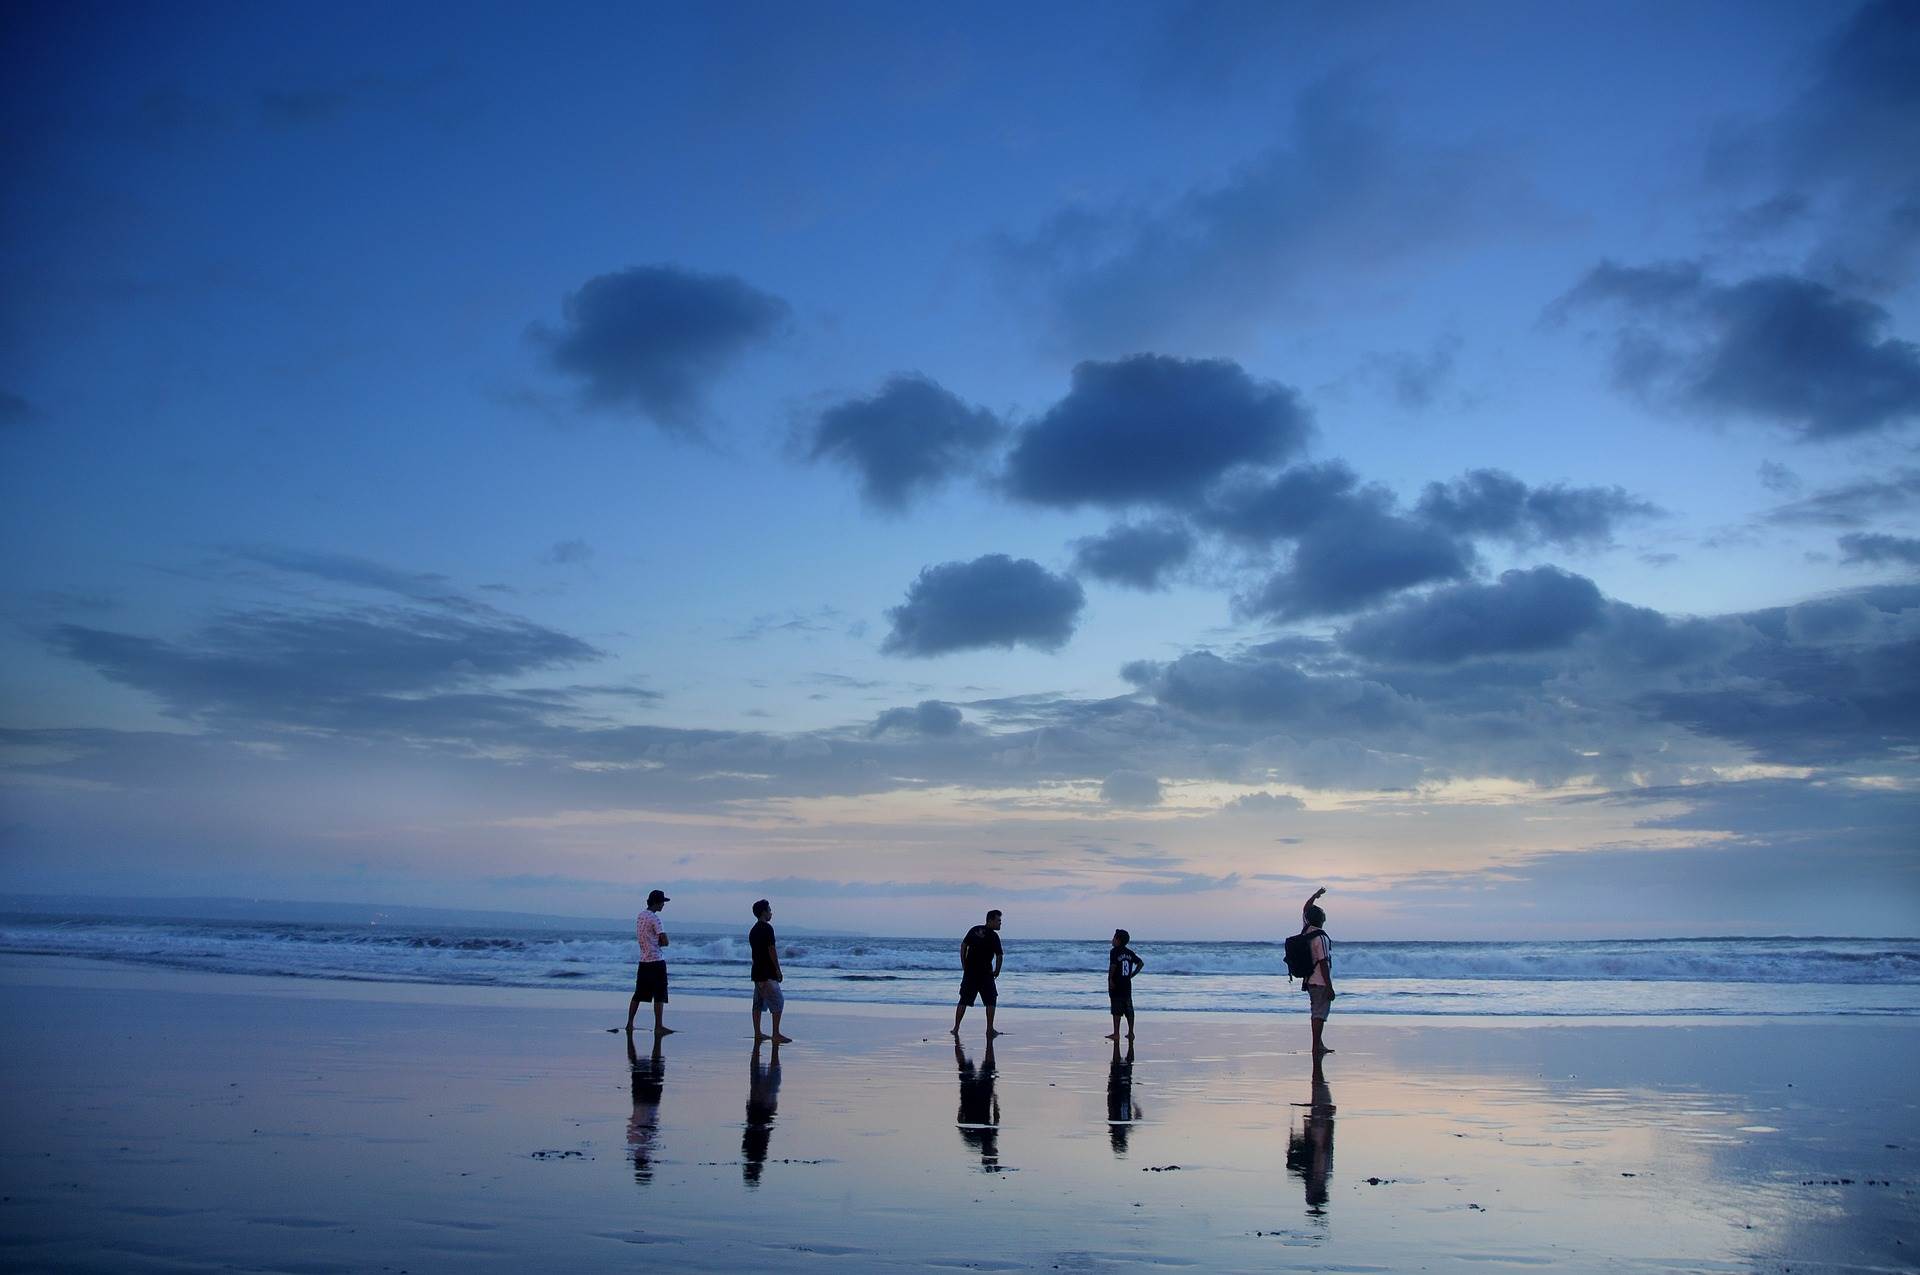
(658, 896)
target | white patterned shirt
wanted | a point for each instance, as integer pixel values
(647, 930)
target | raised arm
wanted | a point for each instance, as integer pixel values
(1313, 898)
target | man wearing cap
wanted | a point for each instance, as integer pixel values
(650, 979)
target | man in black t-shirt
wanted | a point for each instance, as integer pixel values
(766, 972)
(980, 958)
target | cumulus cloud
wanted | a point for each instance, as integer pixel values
(905, 440)
(1261, 510)
(1353, 558)
(1341, 197)
(928, 717)
(1153, 430)
(1138, 555)
(1262, 690)
(652, 338)
(1135, 789)
(1496, 505)
(1862, 547)
(1537, 610)
(993, 601)
(1777, 348)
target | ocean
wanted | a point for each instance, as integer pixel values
(1599, 978)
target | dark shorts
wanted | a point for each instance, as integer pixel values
(1120, 1000)
(978, 986)
(650, 981)
(1319, 1001)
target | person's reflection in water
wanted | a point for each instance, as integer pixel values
(649, 1075)
(1122, 1111)
(1310, 1150)
(979, 1117)
(763, 1102)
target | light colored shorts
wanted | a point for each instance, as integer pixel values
(768, 997)
(1319, 1001)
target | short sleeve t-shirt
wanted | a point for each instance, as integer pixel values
(1122, 965)
(760, 940)
(1322, 951)
(647, 930)
(983, 945)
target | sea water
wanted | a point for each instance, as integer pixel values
(1677, 976)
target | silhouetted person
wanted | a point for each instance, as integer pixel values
(649, 1078)
(1122, 965)
(1121, 1111)
(650, 977)
(1310, 1151)
(979, 1116)
(763, 1102)
(1320, 981)
(767, 975)
(980, 958)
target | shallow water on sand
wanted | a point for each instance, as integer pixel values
(190, 1122)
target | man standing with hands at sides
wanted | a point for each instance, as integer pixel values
(1320, 981)
(980, 958)
(767, 976)
(650, 979)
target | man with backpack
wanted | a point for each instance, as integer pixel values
(1309, 956)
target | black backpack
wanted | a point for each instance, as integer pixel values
(1299, 952)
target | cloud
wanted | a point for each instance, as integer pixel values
(1415, 380)
(1778, 479)
(1286, 505)
(1256, 690)
(1541, 609)
(905, 440)
(651, 338)
(928, 717)
(342, 568)
(1152, 430)
(1341, 198)
(1776, 348)
(1496, 505)
(993, 601)
(1178, 883)
(1138, 555)
(1135, 789)
(377, 669)
(1353, 558)
(1852, 504)
(567, 553)
(1859, 547)
(14, 410)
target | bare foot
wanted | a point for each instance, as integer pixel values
(783, 1040)
(1111, 1036)
(1324, 1049)
(1129, 1036)
(761, 1036)
(992, 1032)
(663, 1031)
(954, 1032)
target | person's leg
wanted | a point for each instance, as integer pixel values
(990, 1031)
(1116, 1026)
(777, 1003)
(759, 1035)
(633, 1007)
(959, 1012)
(778, 1039)
(1114, 1035)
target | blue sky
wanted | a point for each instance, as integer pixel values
(1129, 464)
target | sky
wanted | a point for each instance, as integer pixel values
(1124, 464)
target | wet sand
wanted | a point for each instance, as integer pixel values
(160, 1121)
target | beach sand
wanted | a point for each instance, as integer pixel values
(171, 1121)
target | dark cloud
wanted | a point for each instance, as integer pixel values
(1131, 788)
(1862, 547)
(342, 568)
(1777, 348)
(993, 601)
(1852, 504)
(14, 410)
(1137, 555)
(1253, 690)
(1541, 609)
(1494, 504)
(373, 669)
(651, 338)
(1149, 429)
(1415, 380)
(568, 553)
(905, 440)
(1341, 198)
(928, 717)
(1267, 509)
(1778, 479)
(1354, 558)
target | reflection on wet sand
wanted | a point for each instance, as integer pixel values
(649, 1076)
(1310, 1148)
(763, 1103)
(979, 1117)
(1122, 1111)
